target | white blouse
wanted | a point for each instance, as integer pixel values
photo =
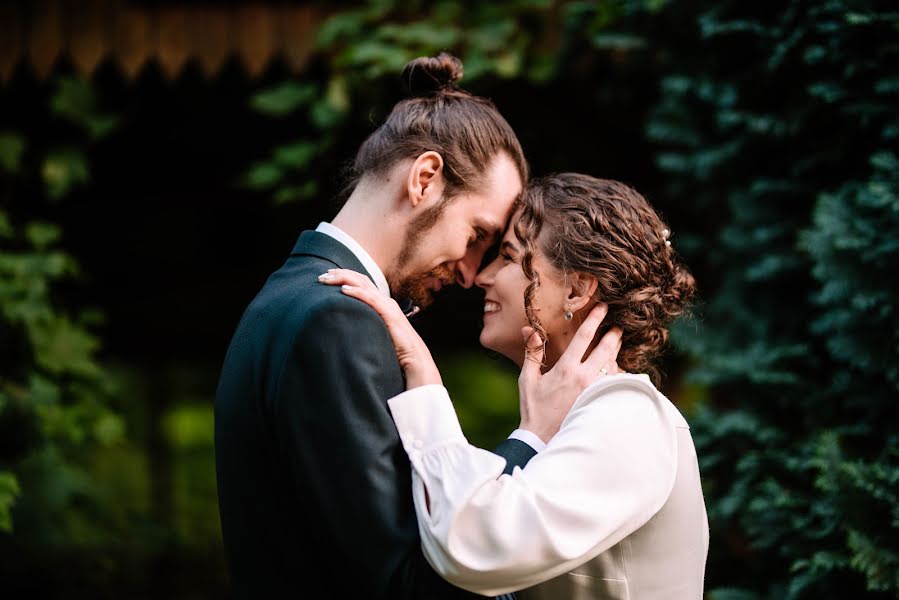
(622, 454)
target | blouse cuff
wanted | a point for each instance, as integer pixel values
(425, 417)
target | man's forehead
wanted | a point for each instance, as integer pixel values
(490, 224)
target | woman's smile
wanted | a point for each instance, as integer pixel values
(491, 307)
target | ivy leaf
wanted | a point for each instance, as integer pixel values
(264, 175)
(109, 429)
(9, 490)
(296, 155)
(62, 170)
(341, 26)
(294, 193)
(76, 102)
(618, 41)
(6, 230)
(63, 347)
(283, 99)
(42, 235)
(12, 146)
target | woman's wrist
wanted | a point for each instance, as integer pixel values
(544, 433)
(419, 376)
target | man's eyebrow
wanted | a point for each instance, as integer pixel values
(491, 228)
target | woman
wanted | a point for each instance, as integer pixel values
(612, 507)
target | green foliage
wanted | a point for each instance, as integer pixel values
(189, 426)
(365, 48)
(789, 141)
(9, 489)
(63, 169)
(76, 102)
(485, 395)
(12, 146)
(54, 394)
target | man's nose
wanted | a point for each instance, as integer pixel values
(467, 270)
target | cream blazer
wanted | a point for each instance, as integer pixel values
(611, 509)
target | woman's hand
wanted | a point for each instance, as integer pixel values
(414, 356)
(546, 398)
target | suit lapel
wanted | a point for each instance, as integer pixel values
(314, 243)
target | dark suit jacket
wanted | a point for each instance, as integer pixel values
(314, 486)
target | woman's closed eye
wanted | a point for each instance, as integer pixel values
(508, 252)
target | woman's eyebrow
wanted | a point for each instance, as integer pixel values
(507, 245)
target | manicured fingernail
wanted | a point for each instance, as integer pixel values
(347, 287)
(325, 277)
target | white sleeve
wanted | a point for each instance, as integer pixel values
(608, 470)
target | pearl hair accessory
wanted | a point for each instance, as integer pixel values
(665, 234)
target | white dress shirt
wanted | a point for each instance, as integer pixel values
(612, 508)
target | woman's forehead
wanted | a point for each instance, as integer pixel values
(509, 234)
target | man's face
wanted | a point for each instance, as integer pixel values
(446, 248)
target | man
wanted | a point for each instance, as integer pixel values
(314, 485)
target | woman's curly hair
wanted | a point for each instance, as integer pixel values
(606, 229)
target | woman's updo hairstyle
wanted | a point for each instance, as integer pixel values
(606, 229)
(467, 131)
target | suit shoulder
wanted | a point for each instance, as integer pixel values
(331, 307)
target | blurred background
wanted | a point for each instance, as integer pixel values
(159, 159)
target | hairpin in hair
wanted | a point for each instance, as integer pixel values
(665, 234)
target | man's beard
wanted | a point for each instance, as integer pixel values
(413, 286)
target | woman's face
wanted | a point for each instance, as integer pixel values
(504, 282)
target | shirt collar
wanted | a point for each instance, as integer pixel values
(364, 257)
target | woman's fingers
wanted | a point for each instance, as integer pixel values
(584, 335)
(533, 354)
(346, 277)
(362, 288)
(605, 353)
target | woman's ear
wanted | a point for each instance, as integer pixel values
(581, 292)
(425, 179)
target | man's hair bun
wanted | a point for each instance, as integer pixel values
(429, 75)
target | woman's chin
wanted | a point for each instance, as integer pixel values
(514, 354)
(485, 341)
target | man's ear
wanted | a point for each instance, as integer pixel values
(581, 292)
(425, 181)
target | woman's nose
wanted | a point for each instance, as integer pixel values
(484, 278)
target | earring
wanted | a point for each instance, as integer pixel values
(568, 314)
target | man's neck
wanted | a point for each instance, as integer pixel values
(367, 223)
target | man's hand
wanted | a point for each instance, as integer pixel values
(546, 398)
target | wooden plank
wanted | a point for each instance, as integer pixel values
(134, 39)
(210, 39)
(89, 34)
(297, 27)
(255, 29)
(40, 31)
(45, 42)
(174, 41)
